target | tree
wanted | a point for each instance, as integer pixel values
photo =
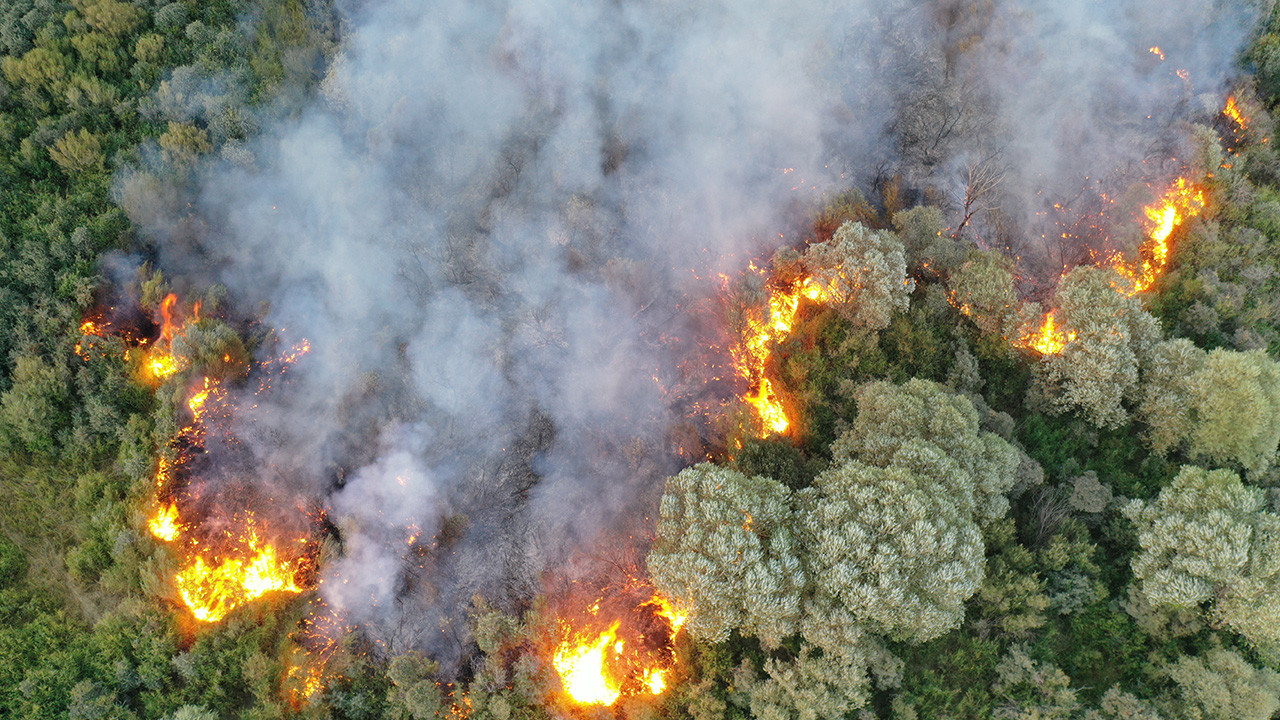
(814, 686)
(1223, 405)
(864, 274)
(78, 152)
(34, 409)
(1236, 397)
(1209, 537)
(110, 16)
(921, 425)
(1110, 337)
(892, 546)
(929, 250)
(1221, 685)
(183, 143)
(983, 290)
(724, 551)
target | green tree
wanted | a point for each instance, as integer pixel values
(892, 546)
(1223, 405)
(724, 551)
(110, 16)
(34, 409)
(78, 152)
(864, 273)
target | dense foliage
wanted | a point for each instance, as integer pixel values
(960, 528)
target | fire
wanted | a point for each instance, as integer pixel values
(581, 666)
(1048, 339)
(1232, 111)
(211, 589)
(1155, 50)
(1179, 203)
(752, 358)
(165, 524)
(598, 668)
(161, 363)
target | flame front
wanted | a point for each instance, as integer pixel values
(1179, 203)
(581, 666)
(599, 668)
(1048, 339)
(752, 358)
(213, 589)
(165, 524)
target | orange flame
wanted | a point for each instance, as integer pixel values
(752, 358)
(1179, 203)
(161, 362)
(1232, 110)
(1048, 339)
(1155, 50)
(598, 668)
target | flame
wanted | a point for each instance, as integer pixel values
(752, 357)
(165, 524)
(1155, 50)
(161, 363)
(1048, 339)
(197, 401)
(1232, 111)
(581, 666)
(599, 668)
(1179, 203)
(213, 589)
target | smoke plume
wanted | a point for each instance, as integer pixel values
(489, 221)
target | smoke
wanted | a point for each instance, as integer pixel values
(488, 222)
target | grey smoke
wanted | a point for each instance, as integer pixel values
(493, 214)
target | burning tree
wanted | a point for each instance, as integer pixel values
(863, 274)
(1092, 363)
(724, 550)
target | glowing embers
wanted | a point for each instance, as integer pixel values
(1048, 339)
(1179, 203)
(753, 355)
(633, 655)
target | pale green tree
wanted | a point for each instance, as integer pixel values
(1166, 393)
(983, 290)
(1236, 396)
(813, 686)
(892, 547)
(1110, 337)
(922, 425)
(724, 551)
(1224, 405)
(1221, 685)
(1209, 537)
(929, 248)
(864, 272)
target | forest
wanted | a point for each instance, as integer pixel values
(517, 361)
